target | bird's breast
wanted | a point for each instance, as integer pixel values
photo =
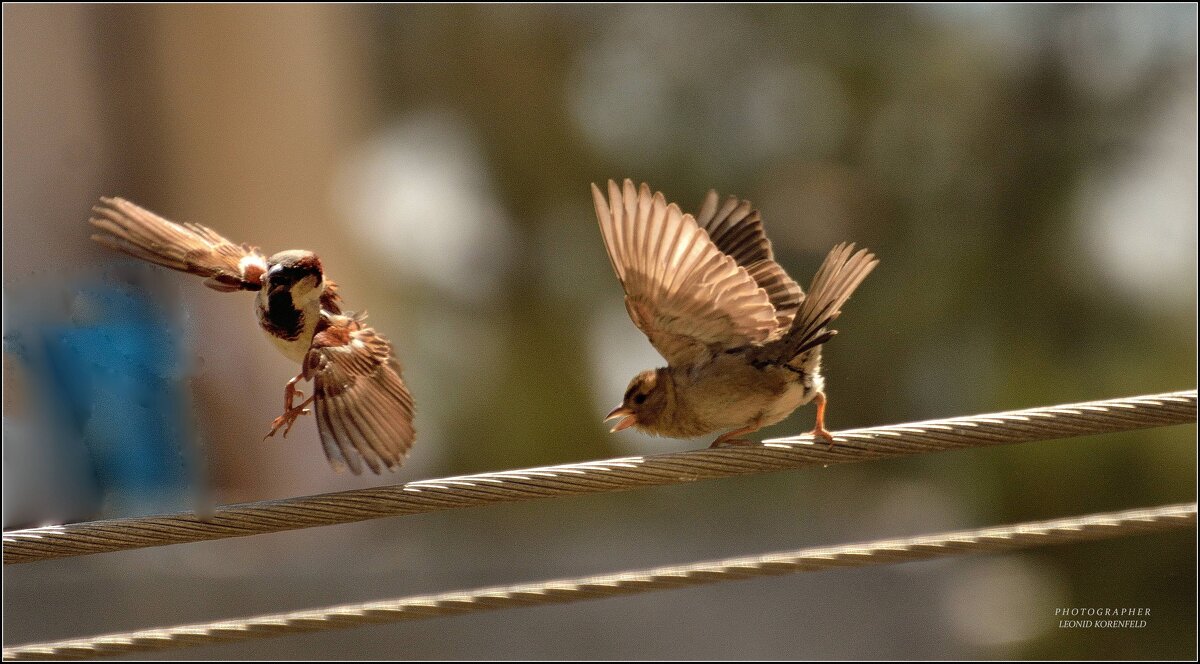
(731, 392)
(289, 327)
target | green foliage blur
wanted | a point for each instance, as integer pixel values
(960, 159)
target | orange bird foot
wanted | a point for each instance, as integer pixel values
(822, 432)
(288, 419)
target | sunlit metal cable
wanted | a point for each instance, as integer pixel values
(29, 545)
(1096, 526)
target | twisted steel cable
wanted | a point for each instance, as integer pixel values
(1095, 526)
(1080, 419)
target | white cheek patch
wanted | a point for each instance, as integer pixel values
(305, 292)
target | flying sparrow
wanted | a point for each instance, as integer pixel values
(741, 339)
(364, 411)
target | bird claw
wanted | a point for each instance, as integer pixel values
(730, 442)
(822, 432)
(286, 421)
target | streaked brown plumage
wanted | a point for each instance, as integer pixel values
(364, 411)
(741, 339)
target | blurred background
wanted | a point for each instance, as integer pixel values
(1027, 174)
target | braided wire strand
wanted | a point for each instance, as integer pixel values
(1045, 423)
(1000, 538)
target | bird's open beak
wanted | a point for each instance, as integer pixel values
(621, 411)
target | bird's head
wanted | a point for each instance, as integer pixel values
(296, 271)
(644, 402)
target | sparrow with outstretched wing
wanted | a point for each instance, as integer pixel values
(741, 339)
(364, 410)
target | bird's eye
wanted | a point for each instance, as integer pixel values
(639, 399)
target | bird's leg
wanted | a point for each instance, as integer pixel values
(290, 391)
(819, 431)
(729, 438)
(291, 412)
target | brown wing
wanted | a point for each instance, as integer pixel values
(364, 411)
(188, 248)
(736, 228)
(686, 295)
(837, 278)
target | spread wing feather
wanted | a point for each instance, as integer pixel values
(364, 410)
(737, 230)
(688, 296)
(185, 247)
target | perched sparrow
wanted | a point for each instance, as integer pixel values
(363, 409)
(741, 339)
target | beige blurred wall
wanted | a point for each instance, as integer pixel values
(54, 147)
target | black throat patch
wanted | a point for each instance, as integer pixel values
(282, 318)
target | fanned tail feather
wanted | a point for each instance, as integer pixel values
(837, 278)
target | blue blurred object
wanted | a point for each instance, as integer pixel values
(110, 379)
